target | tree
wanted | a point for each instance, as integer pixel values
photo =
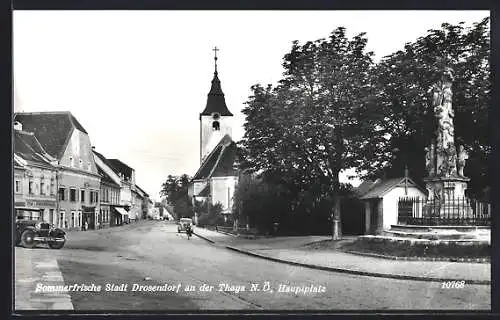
(175, 189)
(401, 99)
(306, 130)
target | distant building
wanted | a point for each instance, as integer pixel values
(216, 179)
(139, 208)
(78, 180)
(110, 191)
(127, 183)
(35, 176)
(120, 187)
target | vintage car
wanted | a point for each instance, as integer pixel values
(31, 230)
(183, 223)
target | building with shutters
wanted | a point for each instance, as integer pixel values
(77, 182)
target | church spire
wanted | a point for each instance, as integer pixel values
(215, 58)
(216, 102)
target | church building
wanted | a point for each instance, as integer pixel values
(216, 179)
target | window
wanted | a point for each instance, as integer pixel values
(18, 186)
(51, 216)
(82, 195)
(73, 219)
(52, 187)
(79, 218)
(62, 194)
(72, 161)
(94, 196)
(42, 188)
(61, 221)
(216, 126)
(31, 188)
(72, 195)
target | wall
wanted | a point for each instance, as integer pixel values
(390, 206)
(79, 171)
(109, 196)
(20, 196)
(209, 137)
(79, 181)
(125, 194)
(197, 186)
(45, 199)
(222, 190)
(80, 149)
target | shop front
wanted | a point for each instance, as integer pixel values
(88, 218)
(120, 215)
(47, 209)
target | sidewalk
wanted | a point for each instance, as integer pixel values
(33, 267)
(288, 250)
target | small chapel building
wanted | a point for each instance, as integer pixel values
(216, 179)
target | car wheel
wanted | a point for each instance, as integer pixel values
(56, 244)
(27, 239)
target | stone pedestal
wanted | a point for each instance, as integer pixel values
(447, 197)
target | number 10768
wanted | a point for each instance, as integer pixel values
(453, 284)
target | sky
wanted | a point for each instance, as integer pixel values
(137, 80)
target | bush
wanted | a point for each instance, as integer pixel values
(213, 217)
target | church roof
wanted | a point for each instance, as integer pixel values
(220, 162)
(52, 129)
(215, 100)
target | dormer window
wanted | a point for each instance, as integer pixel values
(215, 126)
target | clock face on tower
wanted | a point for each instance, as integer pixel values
(215, 116)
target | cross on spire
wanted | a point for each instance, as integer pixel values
(215, 58)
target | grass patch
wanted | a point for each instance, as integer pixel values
(433, 249)
(86, 273)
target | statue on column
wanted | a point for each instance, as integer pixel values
(442, 104)
(462, 157)
(430, 155)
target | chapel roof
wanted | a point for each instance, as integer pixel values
(381, 187)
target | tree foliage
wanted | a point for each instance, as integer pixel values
(211, 215)
(336, 109)
(401, 99)
(175, 190)
(305, 131)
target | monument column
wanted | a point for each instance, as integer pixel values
(445, 182)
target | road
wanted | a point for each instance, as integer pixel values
(152, 253)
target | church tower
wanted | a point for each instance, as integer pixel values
(216, 119)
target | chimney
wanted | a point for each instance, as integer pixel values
(18, 126)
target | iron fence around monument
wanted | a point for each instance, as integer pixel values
(454, 211)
